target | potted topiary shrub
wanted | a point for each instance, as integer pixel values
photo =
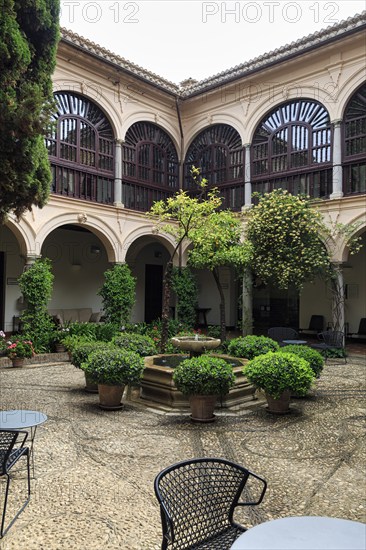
(139, 343)
(251, 346)
(313, 357)
(203, 379)
(112, 368)
(79, 355)
(279, 374)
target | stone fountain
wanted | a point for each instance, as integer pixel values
(195, 345)
(157, 386)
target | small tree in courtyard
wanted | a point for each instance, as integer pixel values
(178, 216)
(36, 284)
(285, 234)
(215, 244)
(184, 285)
(118, 294)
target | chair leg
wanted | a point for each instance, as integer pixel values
(2, 530)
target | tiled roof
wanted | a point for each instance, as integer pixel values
(121, 62)
(333, 32)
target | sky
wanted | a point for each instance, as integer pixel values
(178, 39)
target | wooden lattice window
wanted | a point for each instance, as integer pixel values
(354, 143)
(218, 152)
(81, 149)
(355, 125)
(294, 137)
(149, 156)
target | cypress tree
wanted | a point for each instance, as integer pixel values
(29, 34)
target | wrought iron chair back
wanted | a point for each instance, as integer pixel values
(197, 501)
(8, 458)
(332, 338)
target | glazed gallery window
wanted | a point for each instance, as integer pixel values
(81, 149)
(354, 143)
(292, 148)
(150, 166)
(218, 152)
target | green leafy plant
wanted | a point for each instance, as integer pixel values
(251, 346)
(285, 234)
(105, 331)
(185, 287)
(313, 357)
(204, 375)
(143, 345)
(276, 372)
(29, 37)
(118, 294)
(71, 341)
(81, 350)
(334, 353)
(59, 334)
(83, 329)
(114, 366)
(36, 284)
(20, 348)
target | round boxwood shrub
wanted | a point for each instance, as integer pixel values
(82, 349)
(251, 346)
(113, 366)
(143, 345)
(313, 357)
(204, 375)
(276, 372)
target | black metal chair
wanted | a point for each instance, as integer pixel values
(8, 458)
(282, 333)
(331, 339)
(361, 333)
(316, 325)
(197, 500)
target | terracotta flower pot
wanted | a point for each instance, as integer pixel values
(90, 385)
(280, 405)
(110, 397)
(60, 348)
(202, 407)
(18, 361)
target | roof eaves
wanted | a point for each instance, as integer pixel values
(102, 53)
(284, 53)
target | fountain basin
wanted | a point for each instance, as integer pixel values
(195, 345)
(157, 385)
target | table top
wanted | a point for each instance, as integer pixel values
(304, 533)
(298, 342)
(17, 419)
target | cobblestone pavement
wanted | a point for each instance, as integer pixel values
(94, 470)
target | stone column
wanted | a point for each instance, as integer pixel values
(247, 304)
(337, 179)
(118, 174)
(247, 178)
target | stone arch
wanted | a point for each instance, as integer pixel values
(151, 236)
(94, 224)
(24, 235)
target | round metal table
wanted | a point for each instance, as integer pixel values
(22, 419)
(304, 533)
(295, 342)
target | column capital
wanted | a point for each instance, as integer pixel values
(119, 141)
(247, 145)
(336, 121)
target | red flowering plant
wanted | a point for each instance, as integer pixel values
(20, 348)
(3, 343)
